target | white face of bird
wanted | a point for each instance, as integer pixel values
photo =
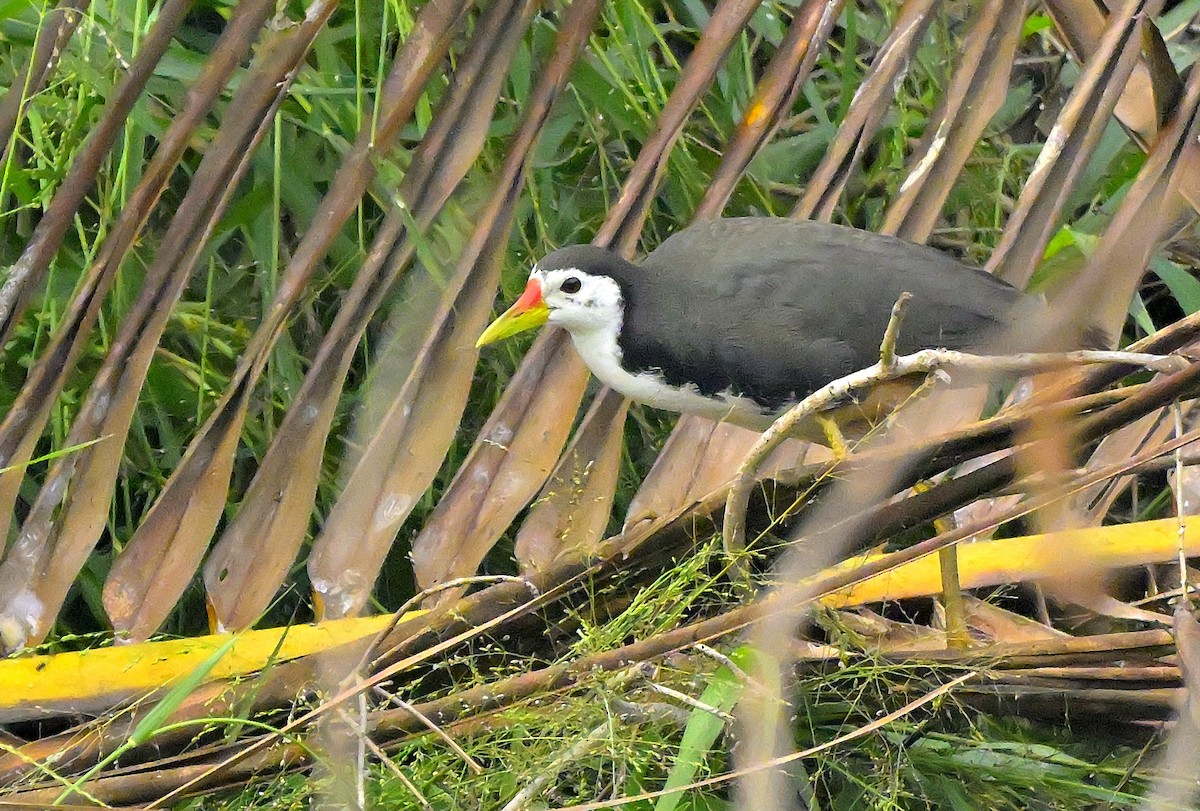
(578, 301)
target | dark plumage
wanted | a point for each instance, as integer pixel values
(773, 309)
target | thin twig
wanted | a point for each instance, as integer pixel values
(399, 775)
(713, 653)
(684, 698)
(434, 728)
(741, 675)
(1182, 591)
(659, 711)
(412, 602)
(887, 347)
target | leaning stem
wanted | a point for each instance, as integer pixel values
(887, 347)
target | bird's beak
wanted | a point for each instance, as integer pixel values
(528, 312)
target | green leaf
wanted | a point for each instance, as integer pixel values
(1137, 308)
(156, 718)
(723, 691)
(1184, 287)
(1036, 24)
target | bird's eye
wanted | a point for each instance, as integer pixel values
(570, 285)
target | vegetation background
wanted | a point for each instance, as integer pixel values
(199, 304)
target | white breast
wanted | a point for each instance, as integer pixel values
(600, 351)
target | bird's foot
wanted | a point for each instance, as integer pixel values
(834, 437)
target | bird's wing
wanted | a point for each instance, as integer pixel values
(777, 308)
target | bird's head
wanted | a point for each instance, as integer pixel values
(574, 288)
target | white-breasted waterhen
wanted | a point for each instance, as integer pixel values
(739, 319)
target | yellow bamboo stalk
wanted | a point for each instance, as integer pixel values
(79, 679)
(1031, 557)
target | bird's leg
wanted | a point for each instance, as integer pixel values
(957, 635)
(834, 437)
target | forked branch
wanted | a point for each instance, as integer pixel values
(942, 362)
